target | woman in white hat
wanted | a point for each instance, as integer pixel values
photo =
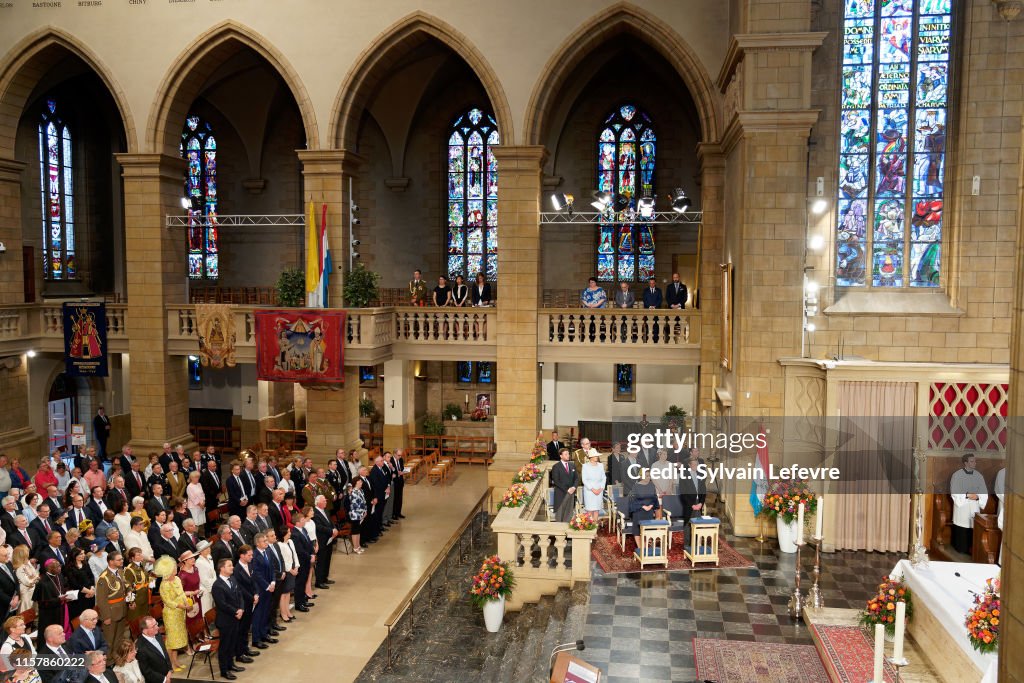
(593, 485)
(207, 575)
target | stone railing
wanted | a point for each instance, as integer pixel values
(439, 325)
(545, 555)
(41, 326)
(618, 327)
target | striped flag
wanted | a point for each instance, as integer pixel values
(325, 260)
(313, 263)
(759, 485)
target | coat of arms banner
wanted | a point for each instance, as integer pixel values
(300, 345)
(216, 324)
(85, 339)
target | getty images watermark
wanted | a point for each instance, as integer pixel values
(735, 443)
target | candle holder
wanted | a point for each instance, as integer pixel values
(796, 601)
(760, 529)
(898, 664)
(814, 598)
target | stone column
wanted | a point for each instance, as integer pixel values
(332, 415)
(12, 290)
(399, 403)
(157, 276)
(712, 230)
(518, 297)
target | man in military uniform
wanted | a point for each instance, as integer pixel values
(418, 289)
(581, 454)
(136, 578)
(112, 595)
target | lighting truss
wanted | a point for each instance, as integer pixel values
(229, 221)
(596, 218)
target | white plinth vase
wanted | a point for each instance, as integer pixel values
(787, 535)
(494, 612)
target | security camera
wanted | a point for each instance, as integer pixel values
(356, 221)
(3, 248)
(356, 243)
(355, 254)
(354, 208)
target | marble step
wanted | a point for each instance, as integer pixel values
(531, 645)
(520, 628)
(552, 636)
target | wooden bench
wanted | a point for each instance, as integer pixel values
(439, 473)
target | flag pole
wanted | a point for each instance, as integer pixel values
(760, 529)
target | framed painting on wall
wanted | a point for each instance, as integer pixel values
(625, 382)
(367, 376)
(464, 372)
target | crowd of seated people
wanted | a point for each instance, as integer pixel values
(136, 564)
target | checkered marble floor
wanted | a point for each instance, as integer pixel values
(640, 627)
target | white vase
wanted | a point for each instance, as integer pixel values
(494, 612)
(787, 535)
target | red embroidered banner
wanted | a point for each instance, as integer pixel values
(300, 345)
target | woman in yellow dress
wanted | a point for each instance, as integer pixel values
(175, 607)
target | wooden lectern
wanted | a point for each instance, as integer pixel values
(569, 669)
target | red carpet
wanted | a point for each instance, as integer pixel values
(740, 661)
(848, 653)
(613, 560)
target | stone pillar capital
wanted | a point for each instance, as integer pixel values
(327, 162)
(152, 165)
(10, 170)
(526, 157)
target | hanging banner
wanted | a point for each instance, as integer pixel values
(216, 324)
(300, 345)
(85, 339)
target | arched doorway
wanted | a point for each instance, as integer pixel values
(62, 412)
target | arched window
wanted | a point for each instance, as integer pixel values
(626, 145)
(57, 191)
(894, 107)
(199, 148)
(473, 196)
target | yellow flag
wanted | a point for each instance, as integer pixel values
(312, 254)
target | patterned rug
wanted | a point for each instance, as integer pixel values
(613, 560)
(740, 661)
(848, 653)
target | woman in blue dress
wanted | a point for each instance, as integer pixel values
(593, 296)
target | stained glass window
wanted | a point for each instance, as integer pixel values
(56, 187)
(473, 196)
(199, 148)
(626, 148)
(895, 78)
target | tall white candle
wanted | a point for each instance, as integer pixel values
(818, 517)
(876, 677)
(364, 395)
(901, 627)
(800, 525)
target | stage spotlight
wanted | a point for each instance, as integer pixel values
(646, 207)
(680, 202)
(562, 202)
(602, 200)
(186, 203)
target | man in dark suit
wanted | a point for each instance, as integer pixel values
(22, 535)
(154, 661)
(157, 503)
(692, 492)
(170, 455)
(76, 513)
(54, 645)
(40, 528)
(8, 583)
(51, 550)
(399, 484)
(134, 483)
(188, 539)
(101, 430)
(96, 506)
(212, 484)
(265, 579)
(229, 601)
(126, 459)
(554, 446)
(275, 513)
(247, 585)
(52, 501)
(652, 295)
(675, 294)
(223, 549)
(304, 549)
(325, 535)
(117, 493)
(563, 481)
(249, 527)
(96, 669)
(10, 509)
(88, 636)
(380, 480)
(238, 496)
(164, 544)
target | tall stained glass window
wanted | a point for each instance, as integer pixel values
(626, 148)
(199, 148)
(473, 196)
(57, 193)
(895, 78)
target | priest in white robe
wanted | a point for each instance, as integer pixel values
(999, 488)
(969, 493)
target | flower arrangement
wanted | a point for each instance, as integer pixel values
(881, 608)
(527, 473)
(478, 415)
(540, 451)
(493, 582)
(784, 498)
(582, 522)
(983, 619)
(516, 496)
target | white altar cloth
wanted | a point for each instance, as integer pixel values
(948, 597)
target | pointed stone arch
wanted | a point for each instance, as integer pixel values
(28, 61)
(617, 19)
(373, 64)
(184, 80)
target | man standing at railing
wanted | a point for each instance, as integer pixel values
(652, 295)
(417, 289)
(676, 295)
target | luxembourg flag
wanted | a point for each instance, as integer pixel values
(314, 262)
(759, 486)
(325, 260)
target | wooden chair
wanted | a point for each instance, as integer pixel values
(438, 473)
(135, 628)
(652, 546)
(703, 540)
(29, 617)
(201, 646)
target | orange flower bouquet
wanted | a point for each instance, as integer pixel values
(784, 497)
(540, 451)
(983, 619)
(516, 496)
(527, 473)
(881, 608)
(493, 582)
(582, 522)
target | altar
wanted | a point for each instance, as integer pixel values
(941, 600)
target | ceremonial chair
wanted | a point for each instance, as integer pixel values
(703, 540)
(675, 515)
(652, 545)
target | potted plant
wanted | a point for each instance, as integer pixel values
(674, 418)
(433, 425)
(452, 411)
(291, 288)
(490, 586)
(367, 408)
(783, 503)
(881, 608)
(360, 287)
